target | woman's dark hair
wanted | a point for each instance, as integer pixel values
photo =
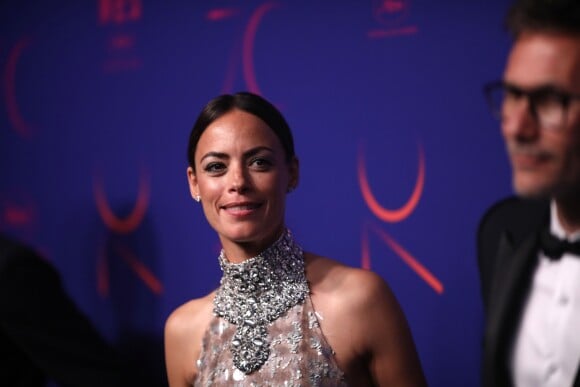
(250, 103)
(561, 16)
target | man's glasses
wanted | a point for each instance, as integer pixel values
(547, 104)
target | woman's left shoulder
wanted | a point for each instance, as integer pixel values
(357, 285)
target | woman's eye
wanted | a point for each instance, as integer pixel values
(214, 167)
(261, 163)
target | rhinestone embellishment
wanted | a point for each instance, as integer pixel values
(256, 292)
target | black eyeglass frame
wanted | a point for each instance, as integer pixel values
(534, 96)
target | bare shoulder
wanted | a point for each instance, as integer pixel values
(185, 317)
(342, 294)
(184, 330)
(353, 286)
(364, 323)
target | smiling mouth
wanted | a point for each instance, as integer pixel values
(241, 209)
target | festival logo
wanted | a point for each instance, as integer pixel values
(117, 18)
(18, 123)
(242, 54)
(120, 11)
(391, 13)
(393, 216)
(123, 226)
(392, 18)
(222, 13)
(18, 213)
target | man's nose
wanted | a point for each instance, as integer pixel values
(519, 121)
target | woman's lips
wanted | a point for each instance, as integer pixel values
(242, 208)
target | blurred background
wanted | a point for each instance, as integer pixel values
(399, 154)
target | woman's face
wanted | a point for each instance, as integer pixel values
(242, 177)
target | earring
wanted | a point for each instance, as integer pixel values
(197, 198)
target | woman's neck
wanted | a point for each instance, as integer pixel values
(237, 252)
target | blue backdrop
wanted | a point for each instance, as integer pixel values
(399, 155)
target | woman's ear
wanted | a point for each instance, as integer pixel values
(294, 174)
(192, 181)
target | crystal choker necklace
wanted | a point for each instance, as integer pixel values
(256, 292)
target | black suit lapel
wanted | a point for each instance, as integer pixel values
(512, 278)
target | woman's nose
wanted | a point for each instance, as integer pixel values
(239, 181)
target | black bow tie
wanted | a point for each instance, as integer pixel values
(555, 247)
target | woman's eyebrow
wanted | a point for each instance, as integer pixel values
(256, 150)
(219, 155)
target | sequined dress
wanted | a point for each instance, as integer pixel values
(291, 349)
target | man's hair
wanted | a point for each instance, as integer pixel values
(560, 16)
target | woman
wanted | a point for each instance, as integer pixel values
(281, 316)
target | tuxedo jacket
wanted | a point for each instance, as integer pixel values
(42, 333)
(507, 247)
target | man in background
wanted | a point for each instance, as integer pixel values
(528, 261)
(43, 336)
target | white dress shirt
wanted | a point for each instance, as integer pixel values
(546, 349)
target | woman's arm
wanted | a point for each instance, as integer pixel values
(176, 350)
(393, 357)
(184, 331)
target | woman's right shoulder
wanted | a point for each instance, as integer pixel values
(184, 330)
(191, 316)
